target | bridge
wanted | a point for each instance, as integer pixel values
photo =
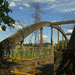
(11, 42)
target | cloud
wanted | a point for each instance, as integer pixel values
(12, 4)
(44, 36)
(27, 5)
(43, 1)
(16, 0)
(56, 5)
(6, 29)
(68, 9)
(21, 8)
(5, 36)
(33, 36)
(62, 6)
(0, 29)
(70, 30)
(17, 26)
(53, 21)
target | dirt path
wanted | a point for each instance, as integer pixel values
(42, 69)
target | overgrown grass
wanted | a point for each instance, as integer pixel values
(32, 54)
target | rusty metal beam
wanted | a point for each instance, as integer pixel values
(41, 29)
(52, 41)
(21, 51)
(13, 40)
(63, 22)
(58, 39)
(62, 42)
(68, 33)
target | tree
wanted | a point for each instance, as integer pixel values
(5, 19)
(60, 44)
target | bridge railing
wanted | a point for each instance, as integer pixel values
(19, 72)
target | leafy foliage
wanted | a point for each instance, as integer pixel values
(60, 44)
(5, 19)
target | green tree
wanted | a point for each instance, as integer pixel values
(60, 44)
(5, 19)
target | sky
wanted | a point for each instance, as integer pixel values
(52, 11)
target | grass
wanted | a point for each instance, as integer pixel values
(32, 54)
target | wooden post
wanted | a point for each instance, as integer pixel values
(41, 38)
(62, 41)
(52, 41)
(41, 30)
(21, 52)
(58, 39)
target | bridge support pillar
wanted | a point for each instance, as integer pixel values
(8, 54)
(62, 42)
(41, 30)
(58, 39)
(21, 52)
(52, 41)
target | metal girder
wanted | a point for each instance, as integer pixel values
(41, 32)
(58, 39)
(68, 33)
(63, 22)
(52, 41)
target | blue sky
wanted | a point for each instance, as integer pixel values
(54, 11)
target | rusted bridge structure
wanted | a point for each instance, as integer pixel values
(11, 42)
(66, 56)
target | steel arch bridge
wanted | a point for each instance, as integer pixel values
(12, 41)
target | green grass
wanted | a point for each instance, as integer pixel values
(31, 54)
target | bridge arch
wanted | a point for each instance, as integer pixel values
(12, 41)
(39, 25)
